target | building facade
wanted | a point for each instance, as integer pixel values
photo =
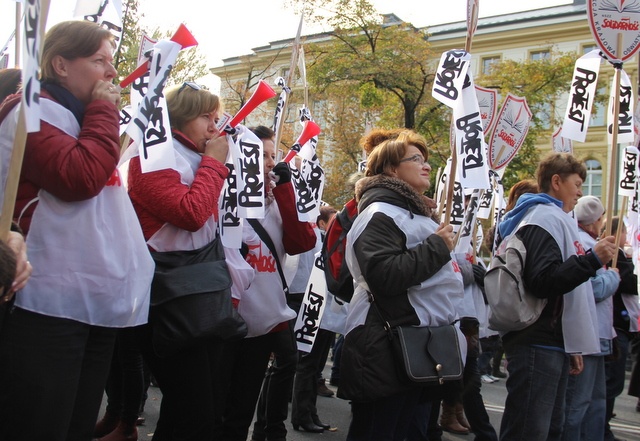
(518, 36)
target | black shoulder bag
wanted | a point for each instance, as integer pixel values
(427, 354)
(191, 299)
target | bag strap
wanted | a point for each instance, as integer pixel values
(264, 236)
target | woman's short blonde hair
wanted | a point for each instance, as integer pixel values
(186, 104)
(71, 40)
(387, 155)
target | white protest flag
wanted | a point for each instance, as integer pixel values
(485, 204)
(628, 172)
(581, 97)
(312, 309)
(108, 14)
(633, 227)
(450, 77)
(472, 161)
(465, 237)
(479, 236)
(559, 143)
(282, 102)
(229, 221)
(309, 182)
(625, 114)
(139, 86)
(150, 127)
(488, 103)
(33, 25)
(510, 131)
(306, 205)
(250, 176)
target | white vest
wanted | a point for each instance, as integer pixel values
(263, 305)
(90, 261)
(579, 320)
(604, 309)
(435, 299)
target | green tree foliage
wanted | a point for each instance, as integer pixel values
(368, 49)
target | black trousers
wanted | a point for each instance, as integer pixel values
(187, 410)
(52, 377)
(273, 403)
(305, 385)
(125, 385)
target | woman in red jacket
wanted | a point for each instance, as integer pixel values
(91, 268)
(178, 210)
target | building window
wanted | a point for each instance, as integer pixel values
(586, 48)
(539, 55)
(593, 184)
(487, 62)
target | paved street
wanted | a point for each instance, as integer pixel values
(626, 425)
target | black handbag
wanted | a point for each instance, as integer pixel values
(427, 354)
(191, 299)
(430, 354)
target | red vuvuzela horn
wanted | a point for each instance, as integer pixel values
(310, 130)
(182, 36)
(262, 93)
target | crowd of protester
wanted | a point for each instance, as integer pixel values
(74, 316)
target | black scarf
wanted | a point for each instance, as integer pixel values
(66, 99)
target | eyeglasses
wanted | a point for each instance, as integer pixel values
(191, 84)
(417, 158)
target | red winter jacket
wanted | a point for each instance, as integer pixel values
(68, 168)
(160, 197)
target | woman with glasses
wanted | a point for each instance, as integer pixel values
(91, 268)
(400, 255)
(178, 210)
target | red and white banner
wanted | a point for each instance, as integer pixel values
(560, 144)
(510, 131)
(488, 103)
(625, 114)
(583, 93)
(610, 18)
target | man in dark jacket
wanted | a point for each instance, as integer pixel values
(541, 356)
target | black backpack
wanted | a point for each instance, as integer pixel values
(336, 271)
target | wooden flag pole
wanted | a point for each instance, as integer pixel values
(614, 141)
(451, 178)
(625, 201)
(288, 80)
(19, 143)
(18, 34)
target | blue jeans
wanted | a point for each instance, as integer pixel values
(586, 402)
(534, 408)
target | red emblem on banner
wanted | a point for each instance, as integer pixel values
(610, 18)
